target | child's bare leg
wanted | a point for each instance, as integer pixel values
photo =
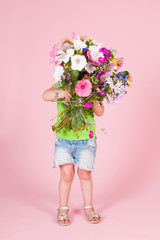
(86, 182)
(67, 174)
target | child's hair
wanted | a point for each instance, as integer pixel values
(67, 40)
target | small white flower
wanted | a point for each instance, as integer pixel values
(64, 57)
(58, 56)
(78, 62)
(95, 52)
(70, 52)
(112, 86)
(57, 74)
(118, 87)
(89, 67)
(109, 80)
(78, 44)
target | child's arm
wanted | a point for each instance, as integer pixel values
(53, 93)
(98, 109)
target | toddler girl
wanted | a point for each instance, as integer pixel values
(70, 152)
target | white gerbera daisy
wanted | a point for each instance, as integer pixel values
(57, 74)
(78, 62)
(78, 44)
(89, 67)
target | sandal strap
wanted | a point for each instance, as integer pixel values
(62, 208)
(88, 206)
(92, 215)
(63, 216)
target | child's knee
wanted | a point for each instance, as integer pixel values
(67, 174)
(84, 174)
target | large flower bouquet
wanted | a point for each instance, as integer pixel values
(90, 72)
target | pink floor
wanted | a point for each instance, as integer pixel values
(129, 217)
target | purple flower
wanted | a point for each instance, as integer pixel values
(99, 74)
(102, 93)
(84, 54)
(88, 105)
(106, 53)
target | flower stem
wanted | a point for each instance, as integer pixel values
(63, 122)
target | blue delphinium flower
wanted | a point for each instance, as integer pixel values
(118, 75)
(84, 49)
(121, 73)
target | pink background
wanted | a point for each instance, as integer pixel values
(126, 176)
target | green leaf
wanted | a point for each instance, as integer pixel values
(74, 84)
(74, 75)
(73, 114)
(77, 122)
(78, 112)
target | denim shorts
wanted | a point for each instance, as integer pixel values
(78, 152)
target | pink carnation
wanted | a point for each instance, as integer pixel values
(120, 62)
(101, 60)
(91, 134)
(83, 88)
(86, 76)
(102, 93)
(88, 105)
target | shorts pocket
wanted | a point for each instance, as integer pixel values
(92, 143)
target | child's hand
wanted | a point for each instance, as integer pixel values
(67, 95)
(98, 108)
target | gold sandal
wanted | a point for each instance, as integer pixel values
(63, 216)
(92, 214)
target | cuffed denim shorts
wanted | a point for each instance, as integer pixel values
(78, 152)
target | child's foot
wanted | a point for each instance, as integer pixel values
(62, 216)
(92, 217)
